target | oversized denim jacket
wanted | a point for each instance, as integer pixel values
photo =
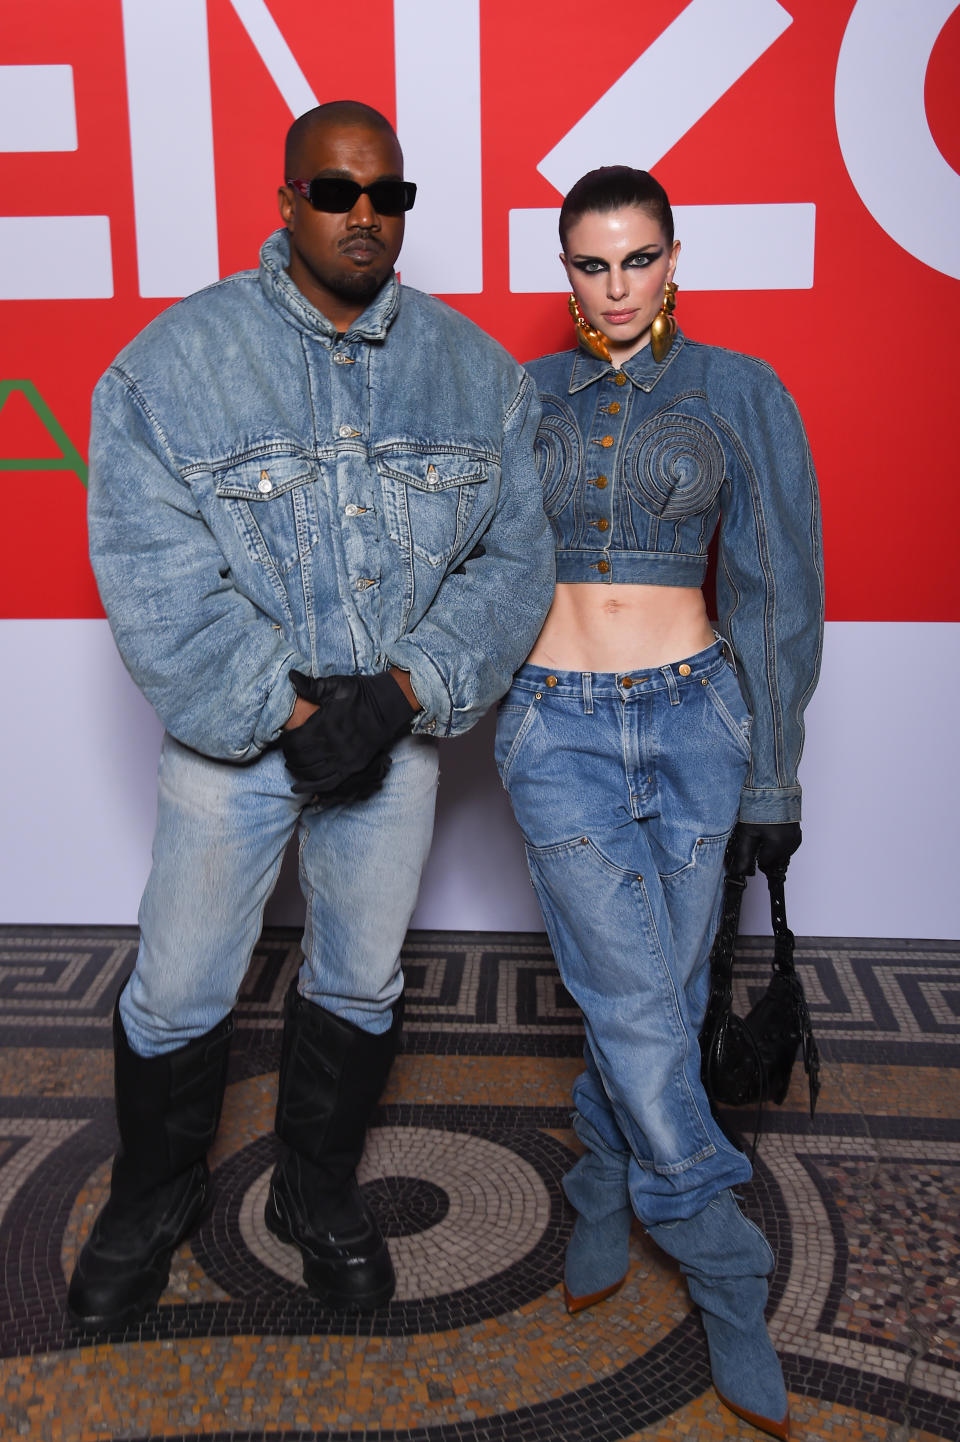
(266, 494)
(639, 466)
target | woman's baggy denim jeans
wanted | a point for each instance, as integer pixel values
(221, 833)
(626, 787)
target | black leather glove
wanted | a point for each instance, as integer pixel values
(358, 787)
(767, 844)
(358, 719)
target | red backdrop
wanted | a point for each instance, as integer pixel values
(868, 351)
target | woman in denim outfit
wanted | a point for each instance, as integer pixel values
(635, 742)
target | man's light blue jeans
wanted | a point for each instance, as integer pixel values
(626, 788)
(221, 833)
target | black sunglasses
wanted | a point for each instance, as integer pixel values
(330, 193)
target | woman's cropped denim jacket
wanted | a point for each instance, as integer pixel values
(639, 465)
(268, 494)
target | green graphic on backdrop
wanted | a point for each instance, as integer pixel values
(70, 458)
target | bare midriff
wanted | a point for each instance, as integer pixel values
(594, 627)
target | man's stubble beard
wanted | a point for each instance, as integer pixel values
(361, 285)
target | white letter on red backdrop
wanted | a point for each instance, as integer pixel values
(438, 120)
(48, 257)
(725, 247)
(891, 157)
(171, 144)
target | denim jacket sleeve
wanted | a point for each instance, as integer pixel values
(206, 658)
(488, 611)
(770, 588)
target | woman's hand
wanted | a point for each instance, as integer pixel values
(767, 844)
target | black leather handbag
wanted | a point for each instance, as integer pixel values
(749, 1060)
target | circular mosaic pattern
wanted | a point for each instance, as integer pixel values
(406, 1205)
(476, 1225)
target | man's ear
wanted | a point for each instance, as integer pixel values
(285, 204)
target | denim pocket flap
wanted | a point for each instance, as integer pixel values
(264, 477)
(436, 472)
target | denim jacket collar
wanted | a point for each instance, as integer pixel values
(641, 368)
(372, 325)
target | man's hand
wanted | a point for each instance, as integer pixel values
(344, 743)
(767, 844)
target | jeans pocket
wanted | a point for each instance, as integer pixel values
(724, 692)
(514, 720)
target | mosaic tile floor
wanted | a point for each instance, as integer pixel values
(463, 1168)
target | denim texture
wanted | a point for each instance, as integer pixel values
(266, 494)
(626, 789)
(726, 1260)
(637, 478)
(221, 833)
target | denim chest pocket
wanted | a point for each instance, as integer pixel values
(430, 500)
(559, 454)
(271, 501)
(674, 466)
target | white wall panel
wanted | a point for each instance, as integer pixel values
(880, 779)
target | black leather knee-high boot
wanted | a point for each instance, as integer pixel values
(331, 1077)
(168, 1108)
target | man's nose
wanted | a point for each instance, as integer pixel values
(363, 215)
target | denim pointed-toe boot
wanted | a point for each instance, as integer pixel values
(331, 1077)
(726, 1260)
(168, 1108)
(598, 1252)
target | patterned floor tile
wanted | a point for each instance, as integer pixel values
(463, 1168)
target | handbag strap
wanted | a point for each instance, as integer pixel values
(783, 963)
(783, 938)
(720, 1000)
(725, 942)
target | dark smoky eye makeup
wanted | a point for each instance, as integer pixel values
(594, 264)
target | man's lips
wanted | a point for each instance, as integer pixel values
(362, 248)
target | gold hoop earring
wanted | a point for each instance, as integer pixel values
(592, 340)
(664, 326)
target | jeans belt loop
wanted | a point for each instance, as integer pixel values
(673, 689)
(587, 678)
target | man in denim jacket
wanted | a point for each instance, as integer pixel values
(317, 528)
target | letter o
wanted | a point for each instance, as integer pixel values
(885, 140)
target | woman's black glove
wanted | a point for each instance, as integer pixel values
(767, 844)
(345, 743)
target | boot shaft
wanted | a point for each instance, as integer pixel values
(332, 1074)
(168, 1106)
